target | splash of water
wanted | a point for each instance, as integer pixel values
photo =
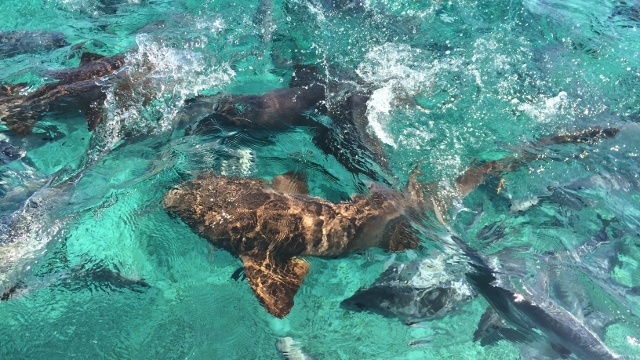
(148, 93)
(401, 73)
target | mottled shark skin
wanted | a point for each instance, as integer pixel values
(76, 89)
(269, 230)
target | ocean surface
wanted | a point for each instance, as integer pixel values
(98, 270)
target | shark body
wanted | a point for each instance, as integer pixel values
(76, 89)
(269, 229)
(16, 42)
(416, 291)
(268, 226)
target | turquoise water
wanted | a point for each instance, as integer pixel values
(452, 82)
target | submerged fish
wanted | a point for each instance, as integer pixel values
(423, 289)
(76, 89)
(18, 42)
(269, 229)
(9, 152)
(527, 311)
(97, 277)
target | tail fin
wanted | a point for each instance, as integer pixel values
(18, 118)
(429, 197)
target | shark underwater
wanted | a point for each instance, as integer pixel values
(524, 313)
(544, 315)
(429, 288)
(335, 111)
(419, 290)
(76, 89)
(10, 152)
(269, 226)
(16, 42)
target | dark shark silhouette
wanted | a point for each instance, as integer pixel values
(416, 291)
(306, 99)
(76, 89)
(9, 152)
(564, 331)
(97, 277)
(268, 226)
(16, 42)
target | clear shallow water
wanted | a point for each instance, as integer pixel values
(452, 82)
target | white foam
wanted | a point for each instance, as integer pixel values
(151, 89)
(546, 109)
(400, 73)
(242, 164)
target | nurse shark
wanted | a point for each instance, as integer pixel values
(270, 226)
(17, 42)
(76, 89)
(531, 314)
(419, 290)
(543, 315)
(335, 113)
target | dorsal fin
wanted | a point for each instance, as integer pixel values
(88, 57)
(291, 182)
(492, 328)
(274, 281)
(401, 235)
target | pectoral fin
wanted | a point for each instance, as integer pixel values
(401, 236)
(274, 281)
(492, 328)
(20, 126)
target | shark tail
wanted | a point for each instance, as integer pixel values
(475, 176)
(17, 118)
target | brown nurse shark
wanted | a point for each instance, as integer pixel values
(269, 226)
(76, 89)
(342, 132)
